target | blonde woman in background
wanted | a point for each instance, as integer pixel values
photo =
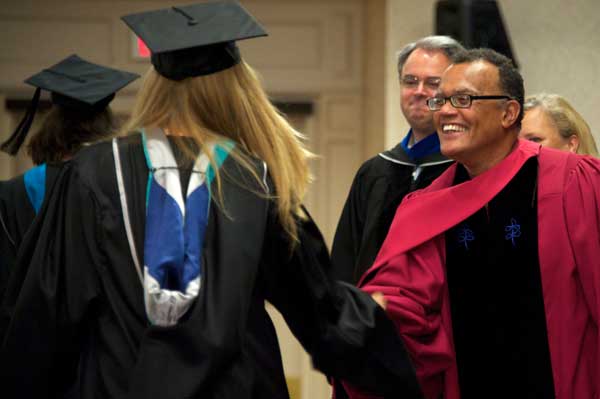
(551, 121)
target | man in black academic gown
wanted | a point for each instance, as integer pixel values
(382, 182)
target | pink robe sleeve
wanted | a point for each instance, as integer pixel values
(582, 211)
(413, 284)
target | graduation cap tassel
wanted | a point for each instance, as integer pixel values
(14, 142)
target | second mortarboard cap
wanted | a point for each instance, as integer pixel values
(74, 83)
(194, 40)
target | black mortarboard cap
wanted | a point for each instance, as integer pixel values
(74, 83)
(194, 40)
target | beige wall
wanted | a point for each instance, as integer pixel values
(556, 43)
(558, 46)
(407, 21)
(374, 77)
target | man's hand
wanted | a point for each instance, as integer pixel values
(380, 299)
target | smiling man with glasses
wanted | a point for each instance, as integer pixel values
(495, 288)
(383, 181)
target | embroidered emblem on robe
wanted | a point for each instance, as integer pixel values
(513, 230)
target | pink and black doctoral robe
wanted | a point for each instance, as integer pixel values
(410, 268)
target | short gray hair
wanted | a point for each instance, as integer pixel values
(445, 44)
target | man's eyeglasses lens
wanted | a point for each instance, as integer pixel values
(411, 81)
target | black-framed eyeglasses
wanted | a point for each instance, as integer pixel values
(459, 100)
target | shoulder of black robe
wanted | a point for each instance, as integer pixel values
(9, 227)
(379, 184)
(377, 189)
(15, 206)
(16, 217)
(81, 286)
(364, 202)
(45, 298)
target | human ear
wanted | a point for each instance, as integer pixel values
(510, 114)
(573, 143)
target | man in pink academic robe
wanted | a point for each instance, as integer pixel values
(412, 268)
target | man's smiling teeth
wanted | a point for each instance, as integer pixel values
(454, 128)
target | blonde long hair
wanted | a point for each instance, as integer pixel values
(568, 121)
(230, 104)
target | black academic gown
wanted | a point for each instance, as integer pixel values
(82, 300)
(16, 216)
(378, 188)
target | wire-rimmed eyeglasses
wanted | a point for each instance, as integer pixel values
(459, 100)
(412, 82)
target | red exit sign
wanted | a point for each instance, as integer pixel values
(142, 50)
